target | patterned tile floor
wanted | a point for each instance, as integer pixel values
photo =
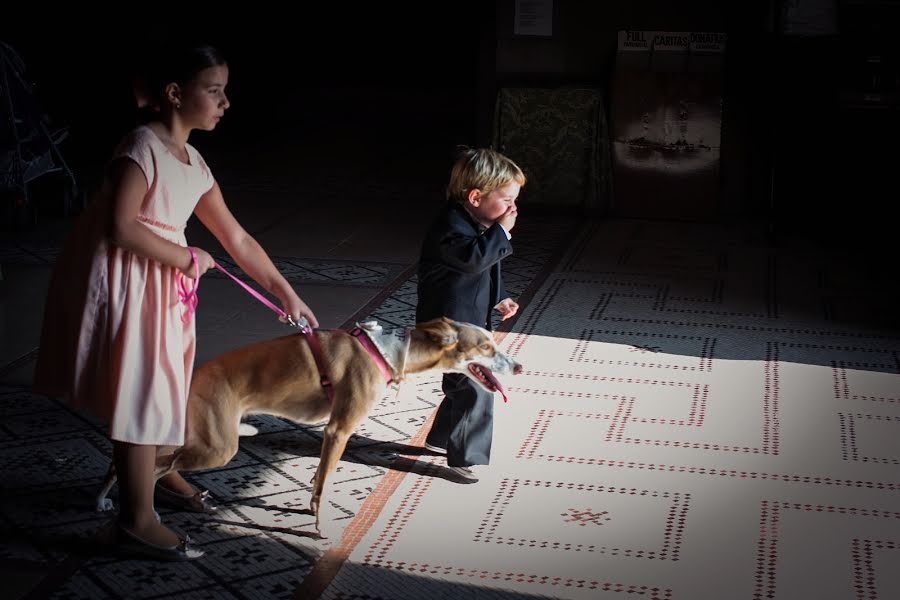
(694, 421)
(702, 416)
(339, 272)
(263, 541)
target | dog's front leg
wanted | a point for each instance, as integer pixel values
(103, 503)
(164, 465)
(332, 448)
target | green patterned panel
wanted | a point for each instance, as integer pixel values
(560, 138)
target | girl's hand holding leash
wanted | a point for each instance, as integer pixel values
(298, 310)
(201, 262)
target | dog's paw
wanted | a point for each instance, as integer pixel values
(245, 430)
(104, 505)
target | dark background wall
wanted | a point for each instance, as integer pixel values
(807, 116)
(279, 62)
(802, 104)
(583, 50)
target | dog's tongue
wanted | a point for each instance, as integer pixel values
(490, 377)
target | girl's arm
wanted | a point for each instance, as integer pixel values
(248, 254)
(129, 188)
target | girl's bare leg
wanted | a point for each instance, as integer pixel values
(176, 483)
(135, 465)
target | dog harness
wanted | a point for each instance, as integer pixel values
(189, 298)
(366, 343)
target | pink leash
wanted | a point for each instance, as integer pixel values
(189, 296)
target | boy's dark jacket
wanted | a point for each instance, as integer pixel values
(459, 268)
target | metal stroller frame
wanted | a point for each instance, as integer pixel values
(31, 151)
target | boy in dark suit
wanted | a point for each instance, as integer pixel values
(459, 278)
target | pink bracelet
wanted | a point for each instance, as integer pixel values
(188, 297)
(196, 265)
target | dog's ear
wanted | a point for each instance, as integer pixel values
(440, 331)
(446, 340)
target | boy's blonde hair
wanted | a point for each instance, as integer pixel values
(483, 169)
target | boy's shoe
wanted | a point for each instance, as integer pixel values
(464, 472)
(435, 449)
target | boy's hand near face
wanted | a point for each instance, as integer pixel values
(508, 220)
(507, 308)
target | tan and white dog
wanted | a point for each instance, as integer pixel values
(280, 377)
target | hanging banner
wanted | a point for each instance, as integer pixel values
(671, 41)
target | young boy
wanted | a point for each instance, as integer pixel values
(459, 278)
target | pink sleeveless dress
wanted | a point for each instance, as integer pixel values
(113, 341)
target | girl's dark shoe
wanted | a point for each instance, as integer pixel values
(128, 543)
(200, 502)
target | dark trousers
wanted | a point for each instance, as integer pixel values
(464, 423)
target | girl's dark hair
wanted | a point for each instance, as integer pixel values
(172, 63)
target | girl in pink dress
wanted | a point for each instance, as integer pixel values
(117, 338)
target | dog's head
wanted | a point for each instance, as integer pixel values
(470, 350)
